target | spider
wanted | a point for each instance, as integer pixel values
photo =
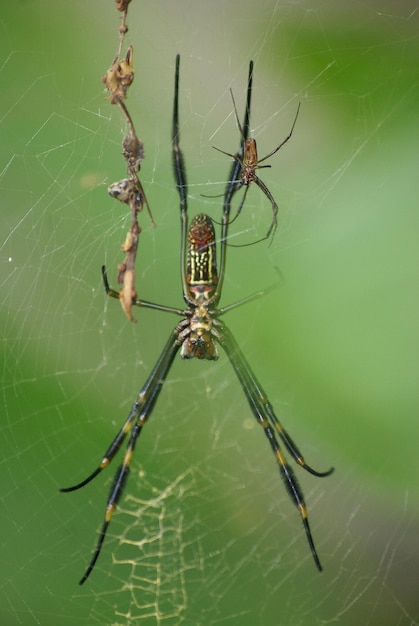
(249, 163)
(199, 334)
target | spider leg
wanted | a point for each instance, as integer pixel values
(234, 183)
(274, 224)
(272, 228)
(178, 160)
(119, 482)
(259, 395)
(241, 202)
(291, 446)
(236, 157)
(136, 302)
(287, 138)
(264, 414)
(179, 171)
(253, 296)
(140, 411)
(108, 456)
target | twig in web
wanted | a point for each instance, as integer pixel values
(118, 79)
(122, 7)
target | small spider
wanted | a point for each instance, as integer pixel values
(249, 163)
(199, 334)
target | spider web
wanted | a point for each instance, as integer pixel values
(205, 533)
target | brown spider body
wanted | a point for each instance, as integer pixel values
(249, 163)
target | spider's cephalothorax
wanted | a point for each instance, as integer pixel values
(198, 335)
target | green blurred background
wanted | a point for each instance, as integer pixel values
(205, 533)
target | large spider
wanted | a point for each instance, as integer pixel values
(198, 335)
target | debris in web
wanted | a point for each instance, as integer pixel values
(118, 79)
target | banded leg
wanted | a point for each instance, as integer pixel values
(265, 415)
(140, 412)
